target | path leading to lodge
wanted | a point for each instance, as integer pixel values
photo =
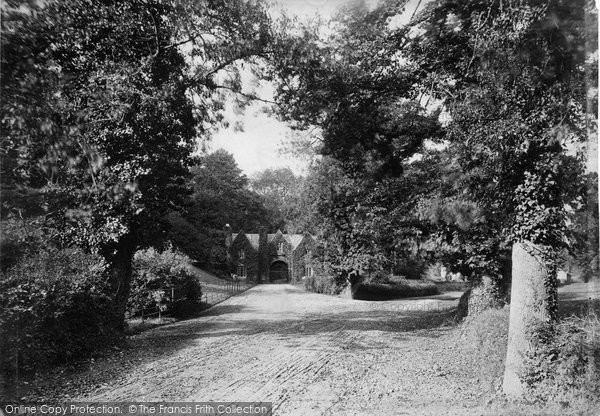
(307, 353)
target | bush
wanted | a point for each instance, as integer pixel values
(453, 286)
(395, 288)
(53, 307)
(162, 281)
(322, 284)
(566, 368)
(18, 239)
(486, 295)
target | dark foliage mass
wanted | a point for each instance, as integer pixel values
(162, 282)
(394, 289)
(101, 110)
(54, 306)
(402, 183)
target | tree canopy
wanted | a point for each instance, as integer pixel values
(478, 108)
(102, 108)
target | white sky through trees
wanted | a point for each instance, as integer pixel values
(257, 140)
(259, 145)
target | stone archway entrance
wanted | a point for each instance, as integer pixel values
(278, 272)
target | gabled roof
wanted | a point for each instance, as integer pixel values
(294, 239)
(271, 237)
(252, 239)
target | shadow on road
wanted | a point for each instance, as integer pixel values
(230, 322)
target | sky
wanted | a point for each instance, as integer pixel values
(259, 146)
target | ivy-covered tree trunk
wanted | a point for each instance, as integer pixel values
(533, 302)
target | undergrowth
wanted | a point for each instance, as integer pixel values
(565, 372)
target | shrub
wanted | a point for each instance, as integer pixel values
(162, 280)
(322, 284)
(566, 368)
(453, 286)
(486, 295)
(19, 238)
(53, 307)
(395, 288)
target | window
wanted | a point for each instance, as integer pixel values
(308, 252)
(280, 247)
(241, 270)
(241, 254)
(308, 271)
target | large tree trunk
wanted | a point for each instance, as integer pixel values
(120, 262)
(533, 300)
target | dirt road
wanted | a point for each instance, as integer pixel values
(306, 353)
(309, 354)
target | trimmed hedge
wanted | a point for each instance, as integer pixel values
(453, 286)
(395, 288)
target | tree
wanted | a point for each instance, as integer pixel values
(97, 111)
(221, 196)
(283, 194)
(350, 86)
(513, 79)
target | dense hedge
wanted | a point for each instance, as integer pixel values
(395, 289)
(54, 306)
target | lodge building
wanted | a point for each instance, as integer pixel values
(270, 258)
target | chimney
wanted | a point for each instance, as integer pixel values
(263, 255)
(228, 235)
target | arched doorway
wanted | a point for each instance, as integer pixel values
(278, 272)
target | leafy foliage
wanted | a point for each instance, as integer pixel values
(163, 281)
(566, 366)
(101, 109)
(516, 98)
(221, 195)
(351, 86)
(283, 195)
(53, 308)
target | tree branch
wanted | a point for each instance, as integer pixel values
(249, 96)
